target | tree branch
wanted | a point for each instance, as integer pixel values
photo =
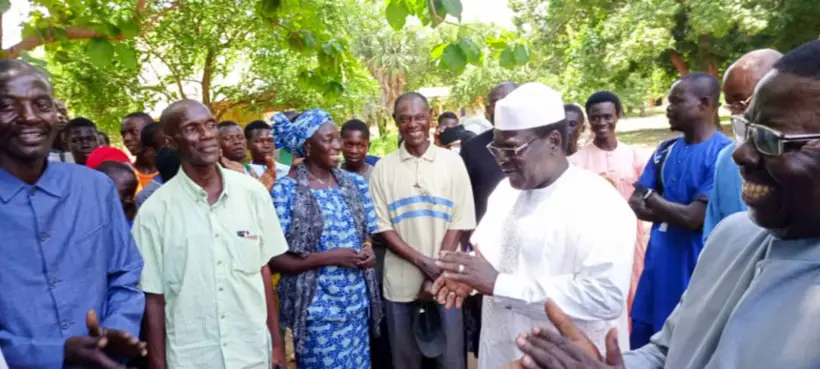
(226, 105)
(83, 33)
(678, 62)
(177, 78)
(207, 74)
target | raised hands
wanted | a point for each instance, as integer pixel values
(268, 178)
(232, 165)
(93, 350)
(569, 348)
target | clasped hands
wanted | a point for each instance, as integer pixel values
(543, 348)
(462, 273)
(93, 350)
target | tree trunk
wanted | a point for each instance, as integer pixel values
(679, 63)
(207, 75)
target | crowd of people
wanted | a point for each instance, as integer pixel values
(506, 238)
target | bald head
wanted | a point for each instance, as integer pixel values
(175, 113)
(12, 68)
(742, 76)
(498, 92)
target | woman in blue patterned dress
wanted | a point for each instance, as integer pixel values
(328, 287)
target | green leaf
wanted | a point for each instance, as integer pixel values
(397, 13)
(129, 28)
(26, 57)
(454, 58)
(333, 89)
(126, 55)
(28, 31)
(270, 7)
(453, 7)
(100, 51)
(507, 59)
(437, 51)
(59, 34)
(416, 6)
(309, 40)
(302, 40)
(496, 43)
(4, 5)
(437, 12)
(471, 51)
(522, 55)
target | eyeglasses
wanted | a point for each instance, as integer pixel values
(503, 154)
(768, 141)
(738, 107)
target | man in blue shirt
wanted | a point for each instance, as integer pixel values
(672, 193)
(738, 85)
(67, 251)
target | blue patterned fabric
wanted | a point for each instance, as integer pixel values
(279, 123)
(340, 304)
(292, 136)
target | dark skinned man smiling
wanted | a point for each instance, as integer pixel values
(59, 267)
(753, 300)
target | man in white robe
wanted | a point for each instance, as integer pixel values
(754, 298)
(552, 231)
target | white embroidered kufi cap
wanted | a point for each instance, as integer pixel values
(529, 106)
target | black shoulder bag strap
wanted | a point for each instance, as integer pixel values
(660, 159)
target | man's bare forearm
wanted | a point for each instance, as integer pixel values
(689, 216)
(399, 247)
(452, 239)
(273, 311)
(155, 330)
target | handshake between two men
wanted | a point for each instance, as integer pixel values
(464, 274)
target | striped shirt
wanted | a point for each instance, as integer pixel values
(421, 199)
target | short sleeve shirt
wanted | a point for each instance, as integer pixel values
(421, 198)
(207, 260)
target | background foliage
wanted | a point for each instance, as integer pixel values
(354, 57)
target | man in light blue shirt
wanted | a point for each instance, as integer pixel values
(739, 83)
(66, 248)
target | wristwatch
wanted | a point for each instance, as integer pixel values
(648, 192)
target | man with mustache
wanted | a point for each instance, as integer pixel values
(739, 83)
(534, 243)
(232, 140)
(672, 193)
(753, 299)
(66, 252)
(207, 236)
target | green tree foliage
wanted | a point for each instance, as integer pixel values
(638, 47)
(458, 52)
(108, 58)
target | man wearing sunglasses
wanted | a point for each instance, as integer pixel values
(534, 242)
(739, 83)
(753, 300)
(672, 193)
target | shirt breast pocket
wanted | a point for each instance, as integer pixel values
(246, 255)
